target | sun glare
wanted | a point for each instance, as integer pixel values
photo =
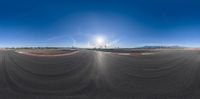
(99, 40)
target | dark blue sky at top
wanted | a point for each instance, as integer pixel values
(124, 23)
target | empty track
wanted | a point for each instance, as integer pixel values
(90, 74)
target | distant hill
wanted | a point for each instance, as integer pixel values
(161, 47)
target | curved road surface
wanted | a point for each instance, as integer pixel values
(96, 75)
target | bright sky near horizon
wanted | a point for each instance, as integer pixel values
(123, 23)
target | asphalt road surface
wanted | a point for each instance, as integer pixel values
(96, 75)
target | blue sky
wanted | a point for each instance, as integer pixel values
(123, 23)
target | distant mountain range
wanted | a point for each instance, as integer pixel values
(161, 47)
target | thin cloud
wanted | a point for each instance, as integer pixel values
(114, 43)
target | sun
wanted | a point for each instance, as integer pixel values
(99, 40)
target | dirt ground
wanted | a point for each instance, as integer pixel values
(45, 51)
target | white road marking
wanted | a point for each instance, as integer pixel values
(147, 53)
(124, 53)
(127, 54)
